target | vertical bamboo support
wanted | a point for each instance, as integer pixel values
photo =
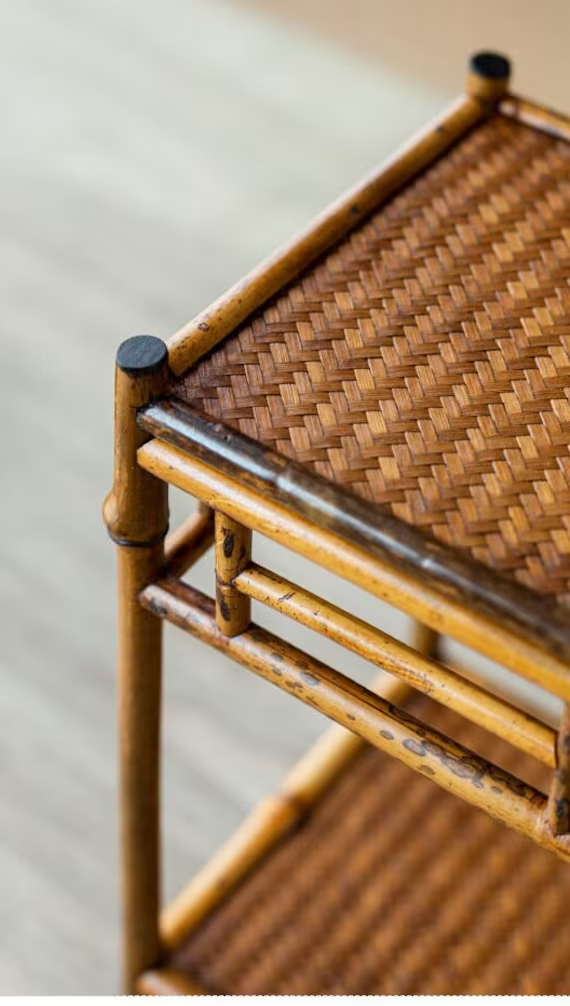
(488, 77)
(426, 641)
(136, 514)
(233, 552)
(559, 796)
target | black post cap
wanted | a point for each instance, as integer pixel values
(490, 65)
(141, 355)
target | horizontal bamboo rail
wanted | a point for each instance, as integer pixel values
(453, 767)
(387, 537)
(524, 652)
(188, 543)
(214, 324)
(421, 672)
(530, 114)
(270, 822)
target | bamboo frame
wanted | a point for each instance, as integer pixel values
(417, 670)
(528, 113)
(233, 552)
(528, 615)
(257, 490)
(355, 563)
(268, 824)
(450, 765)
(136, 513)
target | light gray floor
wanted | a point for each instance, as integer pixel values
(152, 152)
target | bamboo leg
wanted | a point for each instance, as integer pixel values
(559, 796)
(136, 513)
(233, 552)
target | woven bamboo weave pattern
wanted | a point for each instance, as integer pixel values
(393, 886)
(424, 362)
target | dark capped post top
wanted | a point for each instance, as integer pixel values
(488, 76)
(141, 355)
(490, 65)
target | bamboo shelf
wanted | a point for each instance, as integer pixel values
(387, 396)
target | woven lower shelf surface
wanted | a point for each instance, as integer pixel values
(392, 886)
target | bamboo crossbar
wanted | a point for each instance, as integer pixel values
(536, 116)
(269, 823)
(214, 324)
(526, 617)
(421, 672)
(453, 767)
(490, 637)
(188, 543)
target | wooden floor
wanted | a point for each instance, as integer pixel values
(151, 154)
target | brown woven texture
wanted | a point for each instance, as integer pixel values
(393, 886)
(424, 362)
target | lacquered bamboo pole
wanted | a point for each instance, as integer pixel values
(190, 541)
(136, 513)
(528, 113)
(490, 637)
(211, 326)
(271, 821)
(419, 671)
(233, 552)
(559, 796)
(453, 767)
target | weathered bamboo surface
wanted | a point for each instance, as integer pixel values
(329, 507)
(490, 637)
(388, 728)
(419, 671)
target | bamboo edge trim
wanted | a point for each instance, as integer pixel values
(329, 506)
(205, 331)
(412, 596)
(269, 823)
(453, 767)
(426, 675)
(528, 113)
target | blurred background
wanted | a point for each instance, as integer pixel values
(152, 153)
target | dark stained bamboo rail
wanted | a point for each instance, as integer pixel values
(529, 615)
(451, 766)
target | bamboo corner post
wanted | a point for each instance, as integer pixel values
(136, 514)
(233, 552)
(488, 77)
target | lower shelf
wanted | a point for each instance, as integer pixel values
(392, 886)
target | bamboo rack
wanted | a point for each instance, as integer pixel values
(388, 728)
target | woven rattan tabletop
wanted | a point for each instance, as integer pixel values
(423, 363)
